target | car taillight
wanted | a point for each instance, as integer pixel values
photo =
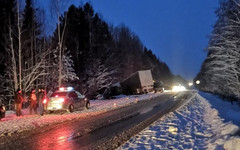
(45, 101)
(61, 100)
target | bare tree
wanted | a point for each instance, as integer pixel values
(11, 51)
(14, 49)
(56, 5)
(19, 47)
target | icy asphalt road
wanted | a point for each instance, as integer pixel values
(104, 131)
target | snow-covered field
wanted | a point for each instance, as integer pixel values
(12, 124)
(206, 122)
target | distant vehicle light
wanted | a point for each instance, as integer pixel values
(61, 100)
(85, 99)
(45, 101)
(190, 84)
(178, 88)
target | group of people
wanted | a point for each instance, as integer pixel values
(35, 99)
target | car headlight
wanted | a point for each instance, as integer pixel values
(178, 88)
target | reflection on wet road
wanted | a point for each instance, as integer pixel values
(54, 139)
(92, 131)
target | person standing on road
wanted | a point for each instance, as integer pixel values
(18, 99)
(41, 96)
(33, 101)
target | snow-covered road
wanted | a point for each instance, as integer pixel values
(205, 122)
(197, 125)
(12, 124)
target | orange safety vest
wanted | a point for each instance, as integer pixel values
(33, 97)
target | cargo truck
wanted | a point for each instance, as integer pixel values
(138, 83)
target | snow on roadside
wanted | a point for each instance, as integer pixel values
(197, 125)
(12, 124)
(229, 111)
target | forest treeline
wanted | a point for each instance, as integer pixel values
(84, 51)
(220, 72)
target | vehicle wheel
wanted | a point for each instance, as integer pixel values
(71, 108)
(50, 111)
(87, 105)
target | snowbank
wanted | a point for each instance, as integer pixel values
(12, 124)
(197, 125)
(227, 110)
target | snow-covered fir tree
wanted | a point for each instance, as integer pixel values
(97, 77)
(220, 71)
(67, 72)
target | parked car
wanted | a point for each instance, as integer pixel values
(158, 87)
(66, 98)
(2, 111)
(159, 90)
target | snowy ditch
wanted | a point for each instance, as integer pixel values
(196, 125)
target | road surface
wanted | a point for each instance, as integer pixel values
(104, 131)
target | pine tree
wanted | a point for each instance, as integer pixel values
(87, 38)
(7, 18)
(92, 43)
(30, 37)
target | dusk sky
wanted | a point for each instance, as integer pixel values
(176, 31)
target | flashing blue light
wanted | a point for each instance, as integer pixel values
(69, 88)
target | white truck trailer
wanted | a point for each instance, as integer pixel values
(138, 83)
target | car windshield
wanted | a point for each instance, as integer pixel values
(60, 94)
